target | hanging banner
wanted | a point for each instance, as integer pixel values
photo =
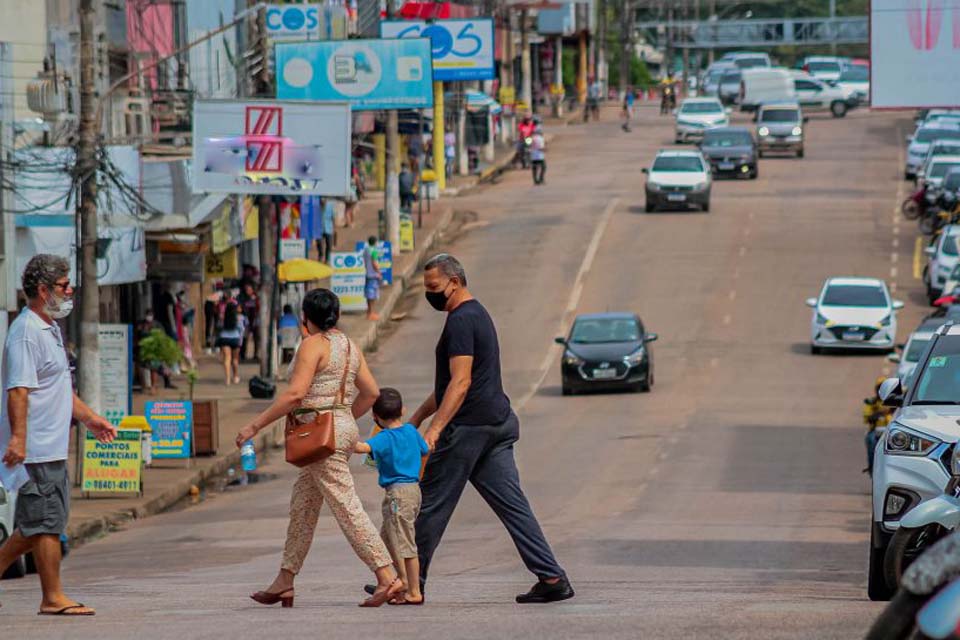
(271, 147)
(369, 74)
(461, 49)
(112, 467)
(172, 425)
(116, 371)
(348, 280)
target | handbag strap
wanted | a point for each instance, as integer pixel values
(346, 370)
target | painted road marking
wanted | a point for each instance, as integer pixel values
(917, 258)
(574, 300)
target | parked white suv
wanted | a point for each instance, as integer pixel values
(911, 461)
(943, 255)
(816, 95)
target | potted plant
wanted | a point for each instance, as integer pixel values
(158, 350)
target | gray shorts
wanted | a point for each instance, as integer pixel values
(43, 503)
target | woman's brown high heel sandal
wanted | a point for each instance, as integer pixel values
(285, 598)
(396, 589)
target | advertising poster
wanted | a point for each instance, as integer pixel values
(369, 74)
(384, 259)
(172, 425)
(116, 371)
(349, 277)
(270, 147)
(113, 467)
(462, 49)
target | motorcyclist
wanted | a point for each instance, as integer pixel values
(875, 416)
(668, 94)
(525, 129)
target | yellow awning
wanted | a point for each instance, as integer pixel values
(303, 270)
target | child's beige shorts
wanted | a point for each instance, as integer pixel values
(401, 504)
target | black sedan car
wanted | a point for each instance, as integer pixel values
(730, 151)
(607, 351)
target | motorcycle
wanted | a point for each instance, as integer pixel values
(924, 525)
(916, 204)
(927, 604)
(524, 151)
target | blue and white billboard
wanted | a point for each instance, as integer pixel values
(369, 74)
(305, 22)
(462, 48)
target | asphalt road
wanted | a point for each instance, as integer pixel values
(727, 503)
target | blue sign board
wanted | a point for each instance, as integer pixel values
(462, 49)
(369, 74)
(172, 424)
(384, 258)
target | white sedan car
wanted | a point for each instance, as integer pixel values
(696, 115)
(853, 313)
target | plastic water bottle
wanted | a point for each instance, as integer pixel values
(248, 456)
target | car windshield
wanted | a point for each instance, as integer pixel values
(935, 133)
(828, 66)
(701, 107)
(750, 63)
(779, 115)
(730, 77)
(677, 163)
(952, 181)
(950, 244)
(940, 381)
(939, 169)
(727, 139)
(915, 349)
(855, 74)
(598, 331)
(941, 149)
(854, 295)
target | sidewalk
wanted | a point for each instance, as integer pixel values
(166, 482)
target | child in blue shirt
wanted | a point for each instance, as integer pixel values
(398, 451)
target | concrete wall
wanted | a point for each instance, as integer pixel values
(24, 25)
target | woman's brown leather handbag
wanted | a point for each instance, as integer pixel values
(309, 442)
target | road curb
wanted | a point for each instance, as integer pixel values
(89, 528)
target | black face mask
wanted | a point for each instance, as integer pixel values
(437, 299)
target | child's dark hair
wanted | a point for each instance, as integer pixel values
(389, 406)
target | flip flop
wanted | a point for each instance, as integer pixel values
(403, 601)
(395, 590)
(66, 611)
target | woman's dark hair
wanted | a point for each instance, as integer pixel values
(230, 316)
(322, 308)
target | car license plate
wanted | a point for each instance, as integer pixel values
(604, 374)
(726, 166)
(853, 336)
(676, 197)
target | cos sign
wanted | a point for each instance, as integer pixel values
(293, 21)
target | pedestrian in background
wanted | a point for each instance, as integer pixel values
(449, 151)
(250, 307)
(406, 182)
(35, 426)
(628, 99)
(538, 155)
(211, 316)
(329, 373)
(328, 228)
(472, 434)
(371, 287)
(398, 450)
(230, 341)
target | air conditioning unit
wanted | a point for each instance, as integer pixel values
(48, 96)
(130, 120)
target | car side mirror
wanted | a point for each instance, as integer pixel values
(650, 337)
(909, 139)
(897, 305)
(891, 392)
(645, 170)
(930, 251)
(806, 119)
(894, 358)
(811, 302)
(728, 110)
(560, 340)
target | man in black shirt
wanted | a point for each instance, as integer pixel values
(472, 434)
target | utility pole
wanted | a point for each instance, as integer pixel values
(601, 49)
(711, 17)
(391, 192)
(626, 45)
(526, 68)
(89, 382)
(686, 49)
